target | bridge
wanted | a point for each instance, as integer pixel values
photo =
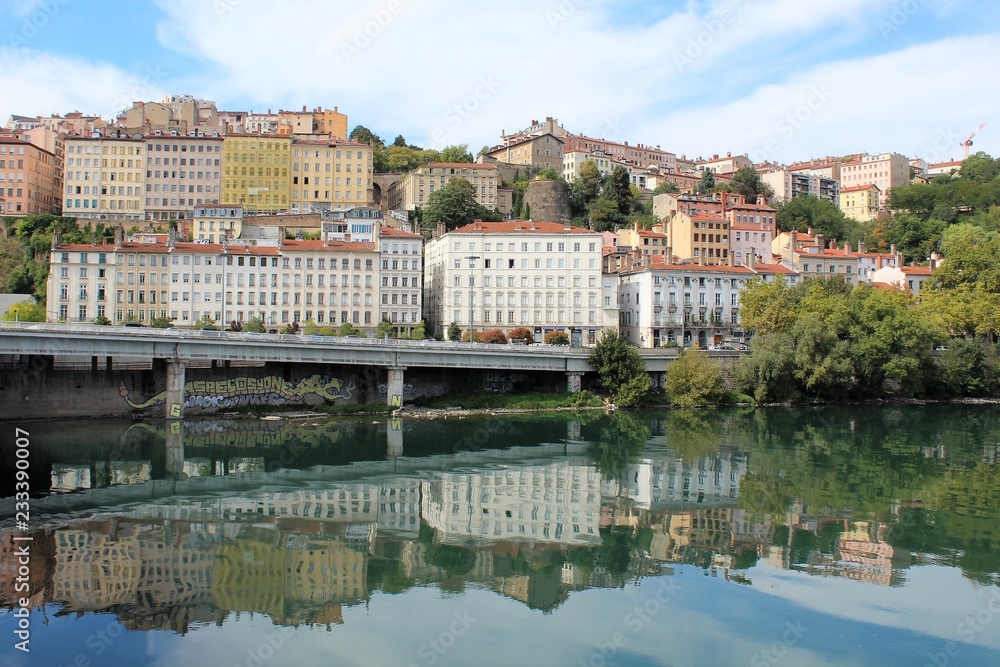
(180, 347)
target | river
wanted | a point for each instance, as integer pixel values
(784, 536)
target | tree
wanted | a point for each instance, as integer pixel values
(385, 329)
(205, 322)
(454, 331)
(455, 205)
(557, 338)
(163, 322)
(399, 141)
(707, 183)
(348, 329)
(25, 311)
(292, 328)
(101, 321)
(747, 182)
(236, 326)
(549, 174)
(419, 331)
(620, 369)
(458, 153)
(605, 215)
(823, 217)
(619, 190)
(769, 373)
(254, 325)
(493, 336)
(694, 379)
(521, 333)
(666, 188)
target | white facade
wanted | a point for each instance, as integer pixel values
(401, 289)
(558, 503)
(658, 482)
(540, 275)
(664, 303)
(281, 281)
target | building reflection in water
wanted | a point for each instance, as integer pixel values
(534, 532)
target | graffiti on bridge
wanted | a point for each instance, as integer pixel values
(270, 390)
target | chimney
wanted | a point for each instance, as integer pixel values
(820, 242)
(861, 247)
(729, 260)
(119, 236)
(752, 256)
(892, 249)
(793, 239)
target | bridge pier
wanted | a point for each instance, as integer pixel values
(175, 389)
(394, 439)
(394, 386)
(574, 382)
(175, 450)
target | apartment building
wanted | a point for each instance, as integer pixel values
(401, 286)
(909, 279)
(256, 171)
(887, 171)
(788, 184)
(182, 172)
(751, 228)
(319, 124)
(544, 151)
(30, 178)
(211, 224)
(663, 302)
(645, 241)
(637, 154)
(542, 275)
(724, 165)
(104, 177)
(416, 187)
(329, 175)
(861, 202)
(573, 159)
(152, 275)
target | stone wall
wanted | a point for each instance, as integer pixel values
(548, 201)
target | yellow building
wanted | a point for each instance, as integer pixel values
(329, 175)
(256, 171)
(703, 237)
(860, 202)
(104, 177)
(315, 124)
(416, 187)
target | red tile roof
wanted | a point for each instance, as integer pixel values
(917, 270)
(855, 188)
(519, 227)
(398, 233)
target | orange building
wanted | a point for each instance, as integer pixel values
(29, 179)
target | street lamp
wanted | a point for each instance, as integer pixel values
(472, 310)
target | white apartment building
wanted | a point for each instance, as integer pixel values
(790, 184)
(540, 275)
(280, 281)
(667, 481)
(558, 503)
(663, 303)
(401, 289)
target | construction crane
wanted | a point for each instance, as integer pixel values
(968, 140)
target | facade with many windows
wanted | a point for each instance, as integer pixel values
(416, 187)
(401, 293)
(691, 304)
(30, 179)
(330, 175)
(182, 173)
(256, 171)
(542, 275)
(104, 177)
(152, 275)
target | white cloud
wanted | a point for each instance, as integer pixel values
(47, 83)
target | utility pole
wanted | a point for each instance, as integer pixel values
(472, 292)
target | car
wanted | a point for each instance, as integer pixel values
(134, 324)
(940, 348)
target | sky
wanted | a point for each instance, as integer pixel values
(779, 80)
